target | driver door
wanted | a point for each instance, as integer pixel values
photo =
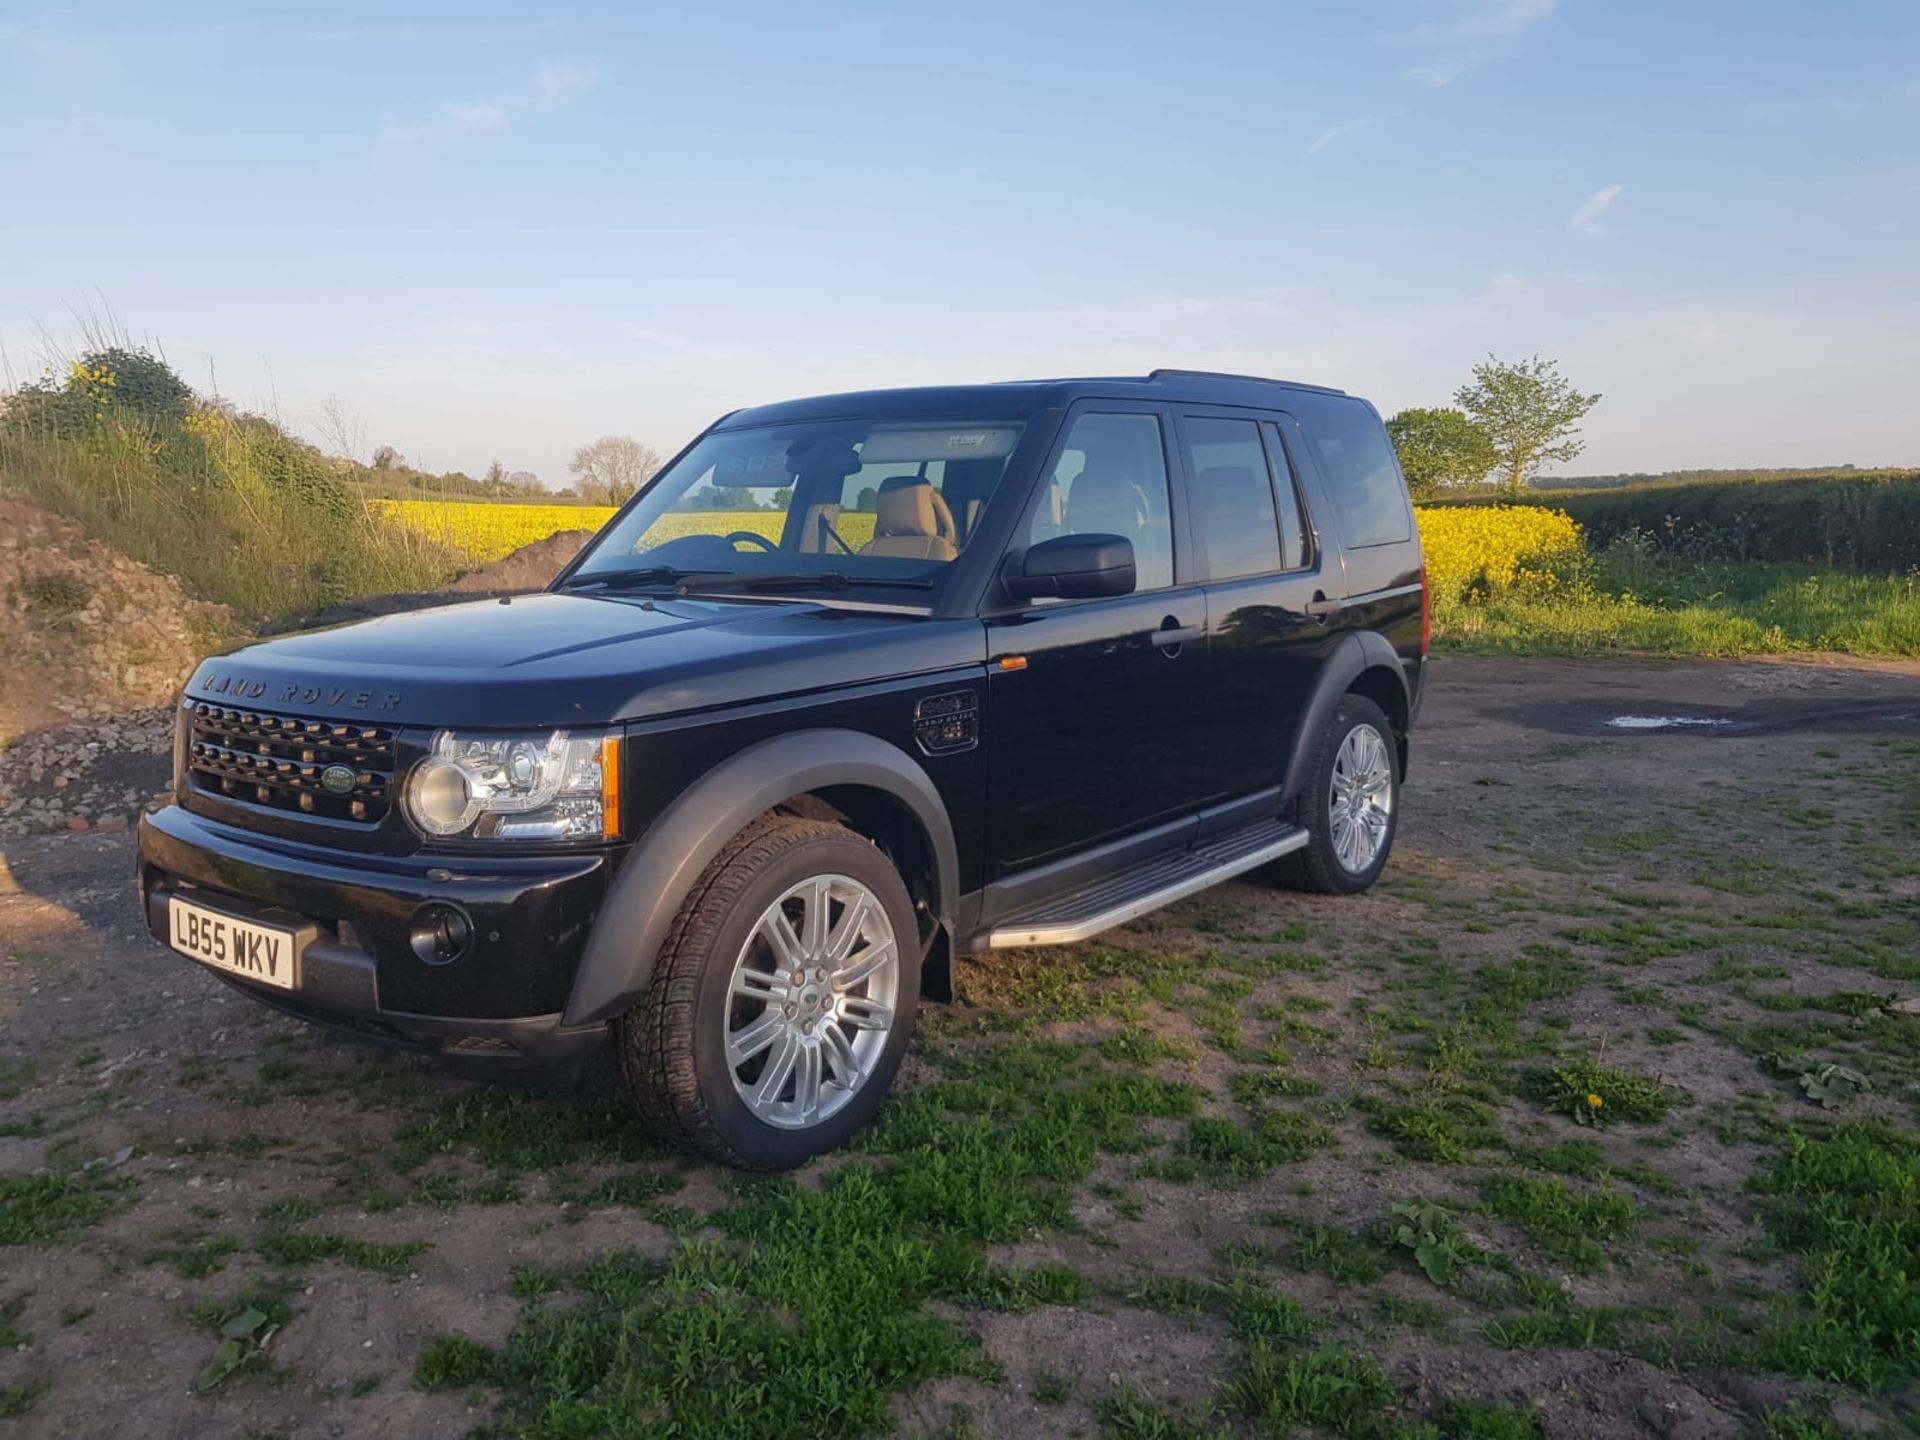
(1092, 701)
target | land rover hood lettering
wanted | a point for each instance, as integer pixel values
(337, 697)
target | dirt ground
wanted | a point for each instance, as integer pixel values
(1693, 883)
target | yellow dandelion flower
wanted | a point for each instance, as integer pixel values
(1595, 1102)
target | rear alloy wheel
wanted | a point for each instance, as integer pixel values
(1349, 805)
(782, 1001)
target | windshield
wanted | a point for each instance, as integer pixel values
(817, 506)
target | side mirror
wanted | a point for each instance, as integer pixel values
(1071, 567)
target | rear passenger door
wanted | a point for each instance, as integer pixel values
(1256, 551)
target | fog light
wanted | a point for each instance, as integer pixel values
(441, 933)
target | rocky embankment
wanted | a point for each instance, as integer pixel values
(94, 648)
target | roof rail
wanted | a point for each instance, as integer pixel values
(1229, 375)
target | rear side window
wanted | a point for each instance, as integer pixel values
(1357, 460)
(1233, 497)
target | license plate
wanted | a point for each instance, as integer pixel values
(259, 952)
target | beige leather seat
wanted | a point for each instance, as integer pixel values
(911, 521)
(1109, 501)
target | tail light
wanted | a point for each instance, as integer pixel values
(1426, 611)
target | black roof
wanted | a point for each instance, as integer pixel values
(1008, 397)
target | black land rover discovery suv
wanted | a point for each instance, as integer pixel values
(856, 684)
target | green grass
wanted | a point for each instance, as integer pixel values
(294, 1248)
(1331, 1389)
(1568, 1225)
(1340, 1255)
(1596, 1094)
(1442, 1129)
(12, 1336)
(18, 1400)
(1848, 1204)
(16, 1075)
(1487, 1420)
(44, 1209)
(638, 1189)
(989, 1155)
(195, 1259)
(513, 1132)
(1650, 602)
(1126, 1414)
(1225, 1151)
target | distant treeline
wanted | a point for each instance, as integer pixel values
(1856, 519)
(1629, 479)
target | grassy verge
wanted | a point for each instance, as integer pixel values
(1637, 600)
(230, 504)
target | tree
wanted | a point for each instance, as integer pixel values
(1530, 414)
(719, 497)
(613, 467)
(141, 381)
(1439, 448)
(344, 434)
(385, 457)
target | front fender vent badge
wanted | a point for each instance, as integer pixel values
(947, 724)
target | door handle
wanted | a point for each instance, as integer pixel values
(1322, 609)
(1170, 636)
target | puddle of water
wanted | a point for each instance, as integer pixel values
(1661, 722)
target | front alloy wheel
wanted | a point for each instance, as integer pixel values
(782, 1002)
(812, 1001)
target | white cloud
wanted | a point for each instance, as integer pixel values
(553, 83)
(459, 119)
(557, 81)
(1594, 206)
(1344, 128)
(1471, 33)
(1476, 20)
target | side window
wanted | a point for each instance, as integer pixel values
(1358, 462)
(1111, 479)
(1232, 497)
(1293, 516)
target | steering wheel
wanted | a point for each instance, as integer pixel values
(760, 541)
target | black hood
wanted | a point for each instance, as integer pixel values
(555, 659)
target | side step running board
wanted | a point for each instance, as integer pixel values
(1132, 892)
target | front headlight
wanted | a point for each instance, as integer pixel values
(547, 785)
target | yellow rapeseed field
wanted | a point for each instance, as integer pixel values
(487, 531)
(1473, 552)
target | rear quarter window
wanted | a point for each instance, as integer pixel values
(1357, 460)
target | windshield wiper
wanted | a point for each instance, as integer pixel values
(644, 575)
(799, 580)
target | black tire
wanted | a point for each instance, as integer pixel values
(1317, 866)
(671, 1045)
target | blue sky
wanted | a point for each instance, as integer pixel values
(496, 231)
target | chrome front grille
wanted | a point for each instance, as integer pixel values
(283, 761)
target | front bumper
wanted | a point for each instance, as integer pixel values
(496, 1006)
